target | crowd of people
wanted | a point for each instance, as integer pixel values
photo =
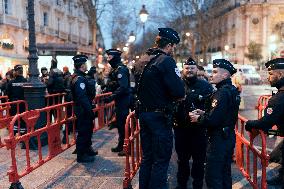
(197, 112)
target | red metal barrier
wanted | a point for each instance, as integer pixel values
(245, 148)
(54, 140)
(105, 111)
(261, 104)
(132, 149)
(53, 99)
(6, 115)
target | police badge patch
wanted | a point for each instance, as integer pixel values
(269, 111)
(214, 103)
(119, 76)
(177, 72)
(82, 86)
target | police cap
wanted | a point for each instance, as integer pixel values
(277, 63)
(79, 60)
(43, 68)
(190, 61)
(169, 34)
(225, 64)
(113, 52)
(18, 67)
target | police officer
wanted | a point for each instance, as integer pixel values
(220, 119)
(274, 111)
(191, 140)
(15, 92)
(83, 110)
(159, 86)
(44, 75)
(119, 85)
(91, 77)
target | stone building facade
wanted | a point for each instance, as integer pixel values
(61, 27)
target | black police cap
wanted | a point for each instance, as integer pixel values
(18, 67)
(277, 63)
(225, 64)
(79, 60)
(43, 68)
(190, 61)
(169, 34)
(113, 52)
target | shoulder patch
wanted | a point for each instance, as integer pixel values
(82, 86)
(214, 103)
(269, 111)
(119, 76)
(177, 72)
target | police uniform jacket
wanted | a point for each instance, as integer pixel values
(160, 83)
(55, 83)
(119, 84)
(197, 91)
(223, 109)
(80, 94)
(15, 89)
(273, 114)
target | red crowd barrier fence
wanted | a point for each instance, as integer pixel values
(53, 99)
(261, 104)
(132, 149)
(51, 128)
(104, 111)
(245, 150)
(6, 115)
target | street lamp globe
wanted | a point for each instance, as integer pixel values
(273, 38)
(187, 34)
(226, 47)
(143, 14)
(132, 37)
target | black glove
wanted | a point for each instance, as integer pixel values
(109, 99)
(249, 126)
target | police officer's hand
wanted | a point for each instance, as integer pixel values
(193, 117)
(198, 112)
(249, 127)
(109, 99)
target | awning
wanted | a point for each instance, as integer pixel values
(68, 49)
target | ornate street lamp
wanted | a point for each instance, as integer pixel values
(132, 37)
(143, 17)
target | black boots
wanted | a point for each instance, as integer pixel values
(91, 152)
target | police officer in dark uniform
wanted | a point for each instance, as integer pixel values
(159, 86)
(83, 110)
(274, 112)
(220, 119)
(15, 92)
(91, 77)
(119, 85)
(191, 140)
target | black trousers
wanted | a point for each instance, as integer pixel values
(219, 159)
(190, 143)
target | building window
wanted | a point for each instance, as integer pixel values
(58, 25)
(7, 6)
(58, 2)
(45, 19)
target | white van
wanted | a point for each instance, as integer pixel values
(249, 73)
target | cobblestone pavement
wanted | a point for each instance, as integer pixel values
(108, 169)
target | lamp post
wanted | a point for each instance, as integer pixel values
(34, 89)
(143, 17)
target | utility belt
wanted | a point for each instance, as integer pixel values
(225, 132)
(278, 132)
(160, 110)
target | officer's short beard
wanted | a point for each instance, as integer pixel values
(191, 77)
(278, 83)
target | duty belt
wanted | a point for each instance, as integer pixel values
(144, 109)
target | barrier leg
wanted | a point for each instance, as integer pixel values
(16, 185)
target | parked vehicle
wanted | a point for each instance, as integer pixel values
(249, 73)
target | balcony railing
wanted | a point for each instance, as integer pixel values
(10, 20)
(63, 35)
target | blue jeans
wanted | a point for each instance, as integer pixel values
(157, 143)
